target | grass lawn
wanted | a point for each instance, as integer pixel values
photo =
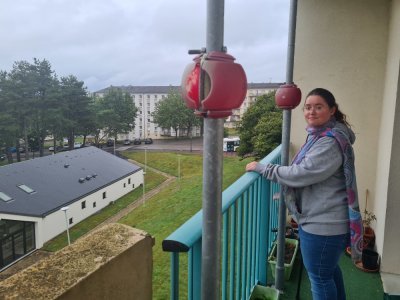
(164, 212)
(170, 208)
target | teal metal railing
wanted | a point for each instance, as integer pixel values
(249, 215)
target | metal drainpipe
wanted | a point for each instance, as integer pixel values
(212, 169)
(279, 273)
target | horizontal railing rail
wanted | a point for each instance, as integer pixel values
(249, 214)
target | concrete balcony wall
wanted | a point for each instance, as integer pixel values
(115, 262)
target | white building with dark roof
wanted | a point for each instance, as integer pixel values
(33, 192)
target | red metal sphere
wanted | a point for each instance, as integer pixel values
(288, 96)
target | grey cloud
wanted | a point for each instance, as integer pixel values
(122, 42)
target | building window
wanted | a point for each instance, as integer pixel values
(104, 195)
(83, 204)
(148, 96)
(17, 239)
(124, 184)
(26, 188)
(94, 204)
(133, 186)
(71, 221)
(129, 181)
(5, 197)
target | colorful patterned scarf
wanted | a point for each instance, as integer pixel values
(356, 225)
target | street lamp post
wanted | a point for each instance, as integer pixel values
(64, 209)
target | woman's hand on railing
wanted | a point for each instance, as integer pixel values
(251, 166)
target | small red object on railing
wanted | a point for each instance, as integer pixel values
(288, 96)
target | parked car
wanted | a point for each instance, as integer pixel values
(148, 141)
(110, 142)
(2, 156)
(127, 142)
(77, 145)
(137, 141)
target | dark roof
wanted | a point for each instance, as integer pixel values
(143, 89)
(55, 184)
(167, 88)
(270, 85)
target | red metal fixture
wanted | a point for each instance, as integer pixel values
(227, 84)
(288, 96)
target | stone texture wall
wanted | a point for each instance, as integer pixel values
(115, 262)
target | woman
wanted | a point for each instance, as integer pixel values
(321, 194)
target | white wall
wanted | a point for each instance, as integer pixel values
(387, 205)
(55, 224)
(342, 45)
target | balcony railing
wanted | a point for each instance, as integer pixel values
(249, 215)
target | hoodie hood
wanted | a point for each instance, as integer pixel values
(347, 131)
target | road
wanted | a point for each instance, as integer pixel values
(196, 144)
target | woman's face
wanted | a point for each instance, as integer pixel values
(316, 111)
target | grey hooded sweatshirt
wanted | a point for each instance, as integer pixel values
(320, 204)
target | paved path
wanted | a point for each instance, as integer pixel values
(123, 212)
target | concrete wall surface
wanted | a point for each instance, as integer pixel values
(115, 262)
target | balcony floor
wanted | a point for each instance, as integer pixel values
(358, 284)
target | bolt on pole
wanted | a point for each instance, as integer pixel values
(212, 169)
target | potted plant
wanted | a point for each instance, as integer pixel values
(369, 233)
(291, 247)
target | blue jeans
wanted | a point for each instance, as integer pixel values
(321, 257)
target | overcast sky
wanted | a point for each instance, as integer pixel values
(140, 42)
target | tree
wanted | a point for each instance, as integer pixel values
(27, 92)
(76, 112)
(173, 113)
(45, 101)
(115, 113)
(260, 130)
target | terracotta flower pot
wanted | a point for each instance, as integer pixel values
(369, 238)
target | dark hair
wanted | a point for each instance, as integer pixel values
(331, 101)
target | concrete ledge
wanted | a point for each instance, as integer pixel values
(391, 284)
(115, 262)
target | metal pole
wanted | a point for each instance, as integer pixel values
(179, 167)
(66, 223)
(144, 189)
(145, 159)
(279, 272)
(212, 170)
(114, 146)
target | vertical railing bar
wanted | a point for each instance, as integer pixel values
(265, 229)
(239, 247)
(253, 233)
(244, 243)
(174, 276)
(249, 240)
(257, 214)
(225, 226)
(196, 270)
(232, 248)
(190, 273)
